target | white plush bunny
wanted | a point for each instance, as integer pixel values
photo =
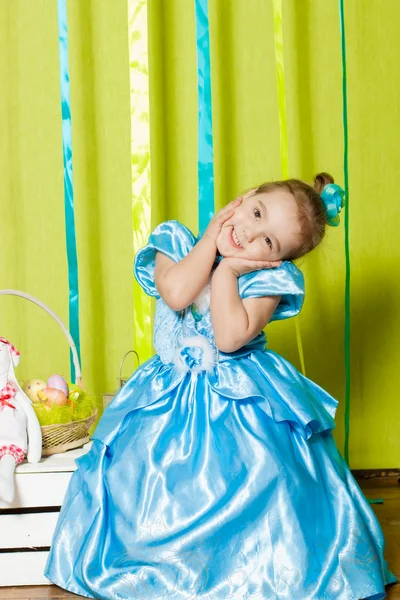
(20, 432)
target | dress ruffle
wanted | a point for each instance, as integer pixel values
(262, 377)
(278, 389)
(172, 239)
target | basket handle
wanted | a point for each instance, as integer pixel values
(122, 364)
(78, 372)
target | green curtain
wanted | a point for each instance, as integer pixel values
(246, 151)
(32, 212)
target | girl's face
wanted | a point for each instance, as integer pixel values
(264, 227)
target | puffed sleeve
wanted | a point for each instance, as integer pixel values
(286, 281)
(172, 239)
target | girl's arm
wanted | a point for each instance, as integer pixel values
(235, 321)
(180, 283)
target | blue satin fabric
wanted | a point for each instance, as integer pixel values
(216, 482)
(68, 185)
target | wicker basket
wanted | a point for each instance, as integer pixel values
(65, 436)
(61, 436)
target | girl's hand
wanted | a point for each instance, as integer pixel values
(215, 225)
(240, 266)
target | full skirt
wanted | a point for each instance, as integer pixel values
(218, 485)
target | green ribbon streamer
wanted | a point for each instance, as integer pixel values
(347, 339)
(346, 233)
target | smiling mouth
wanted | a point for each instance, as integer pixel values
(234, 239)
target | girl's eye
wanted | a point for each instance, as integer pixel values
(258, 215)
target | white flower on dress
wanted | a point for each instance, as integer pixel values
(194, 353)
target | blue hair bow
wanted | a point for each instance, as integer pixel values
(333, 198)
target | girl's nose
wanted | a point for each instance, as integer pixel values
(248, 235)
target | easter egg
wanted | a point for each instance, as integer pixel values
(32, 387)
(58, 382)
(51, 396)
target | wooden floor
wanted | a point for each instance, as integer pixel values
(388, 514)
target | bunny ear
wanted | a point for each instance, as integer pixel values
(15, 359)
(14, 354)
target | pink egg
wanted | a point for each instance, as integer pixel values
(59, 383)
(51, 396)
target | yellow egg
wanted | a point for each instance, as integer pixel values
(32, 387)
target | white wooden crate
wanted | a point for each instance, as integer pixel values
(22, 529)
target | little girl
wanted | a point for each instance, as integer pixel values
(214, 474)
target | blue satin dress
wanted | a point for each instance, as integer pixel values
(215, 476)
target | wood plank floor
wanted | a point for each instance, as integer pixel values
(388, 514)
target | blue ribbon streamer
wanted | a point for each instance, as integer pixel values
(68, 185)
(205, 140)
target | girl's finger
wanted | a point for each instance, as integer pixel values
(233, 203)
(225, 215)
(271, 264)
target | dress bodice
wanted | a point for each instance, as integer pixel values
(186, 337)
